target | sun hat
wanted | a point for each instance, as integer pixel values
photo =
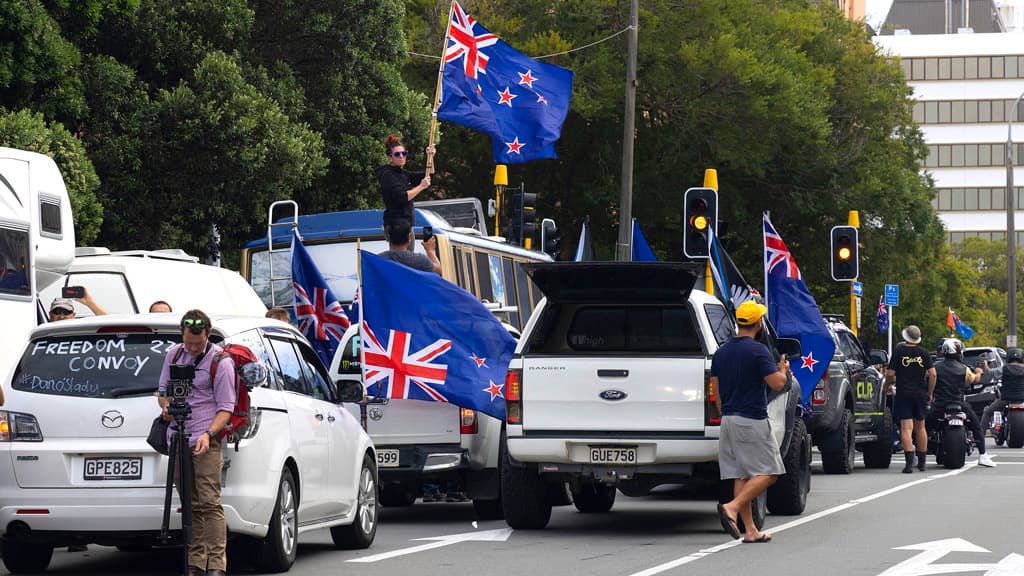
(912, 334)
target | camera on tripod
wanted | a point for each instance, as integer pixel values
(179, 385)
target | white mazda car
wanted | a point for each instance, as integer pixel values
(75, 466)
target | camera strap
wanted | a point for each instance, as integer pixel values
(195, 363)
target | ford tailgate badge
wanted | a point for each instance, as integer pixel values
(612, 394)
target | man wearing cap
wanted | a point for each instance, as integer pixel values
(747, 451)
(912, 373)
(64, 308)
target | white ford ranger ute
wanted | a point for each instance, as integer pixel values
(608, 389)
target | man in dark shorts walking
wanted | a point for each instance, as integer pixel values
(911, 371)
(747, 451)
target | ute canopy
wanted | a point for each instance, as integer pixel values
(617, 282)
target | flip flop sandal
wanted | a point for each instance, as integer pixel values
(763, 539)
(728, 524)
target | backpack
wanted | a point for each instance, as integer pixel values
(240, 419)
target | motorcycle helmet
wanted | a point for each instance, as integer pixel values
(952, 348)
(1015, 355)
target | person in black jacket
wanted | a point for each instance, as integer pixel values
(953, 380)
(1012, 390)
(398, 186)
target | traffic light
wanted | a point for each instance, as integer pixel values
(515, 225)
(550, 238)
(844, 253)
(700, 210)
(529, 217)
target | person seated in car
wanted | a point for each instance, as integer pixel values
(953, 380)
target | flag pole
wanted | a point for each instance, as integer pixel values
(437, 90)
(359, 292)
(764, 250)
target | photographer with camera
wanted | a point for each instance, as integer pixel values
(207, 409)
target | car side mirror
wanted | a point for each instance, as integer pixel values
(349, 390)
(879, 357)
(788, 346)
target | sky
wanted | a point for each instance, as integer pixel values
(875, 11)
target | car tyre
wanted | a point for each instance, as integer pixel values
(841, 461)
(1015, 435)
(361, 532)
(788, 496)
(524, 498)
(22, 557)
(276, 552)
(954, 444)
(593, 498)
(878, 454)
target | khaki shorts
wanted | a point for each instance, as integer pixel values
(746, 448)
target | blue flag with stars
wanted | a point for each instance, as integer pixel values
(489, 86)
(424, 338)
(794, 313)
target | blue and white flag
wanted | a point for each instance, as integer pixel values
(641, 250)
(883, 315)
(489, 86)
(424, 338)
(585, 247)
(794, 313)
(317, 311)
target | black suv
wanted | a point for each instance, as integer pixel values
(849, 408)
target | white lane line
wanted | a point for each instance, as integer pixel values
(800, 521)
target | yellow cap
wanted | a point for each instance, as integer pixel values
(749, 313)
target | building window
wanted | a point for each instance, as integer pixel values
(984, 111)
(997, 66)
(958, 68)
(984, 68)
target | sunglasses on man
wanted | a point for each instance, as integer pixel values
(194, 325)
(61, 312)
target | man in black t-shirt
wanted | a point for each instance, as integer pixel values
(911, 371)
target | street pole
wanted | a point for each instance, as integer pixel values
(1011, 235)
(624, 251)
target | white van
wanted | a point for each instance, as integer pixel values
(128, 282)
(37, 243)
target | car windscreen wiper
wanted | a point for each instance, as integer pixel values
(119, 392)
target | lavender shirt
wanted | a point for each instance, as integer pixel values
(206, 400)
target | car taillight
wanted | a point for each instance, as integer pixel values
(513, 400)
(712, 416)
(467, 421)
(820, 394)
(19, 427)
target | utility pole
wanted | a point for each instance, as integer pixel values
(1011, 236)
(624, 249)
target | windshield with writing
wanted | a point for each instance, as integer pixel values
(94, 366)
(336, 261)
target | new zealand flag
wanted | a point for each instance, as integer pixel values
(491, 87)
(425, 338)
(794, 313)
(318, 313)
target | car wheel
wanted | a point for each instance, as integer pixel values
(878, 454)
(523, 493)
(361, 532)
(954, 444)
(22, 557)
(840, 461)
(397, 496)
(593, 498)
(788, 496)
(1015, 436)
(276, 552)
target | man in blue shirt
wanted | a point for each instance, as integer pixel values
(747, 452)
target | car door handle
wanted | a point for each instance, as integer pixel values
(612, 373)
(319, 417)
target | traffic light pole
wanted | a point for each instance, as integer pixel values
(853, 219)
(624, 248)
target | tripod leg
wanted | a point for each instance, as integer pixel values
(186, 497)
(165, 526)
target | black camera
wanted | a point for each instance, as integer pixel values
(179, 386)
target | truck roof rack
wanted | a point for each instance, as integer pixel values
(162, 254)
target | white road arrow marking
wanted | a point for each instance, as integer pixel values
(1012, 565)
(921, 564)
(499, 535)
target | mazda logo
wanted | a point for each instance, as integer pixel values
(112, 419)
(612, 395)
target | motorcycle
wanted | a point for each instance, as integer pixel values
(1011, 429)
(950, 439)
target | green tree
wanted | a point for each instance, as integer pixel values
(27, 130)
